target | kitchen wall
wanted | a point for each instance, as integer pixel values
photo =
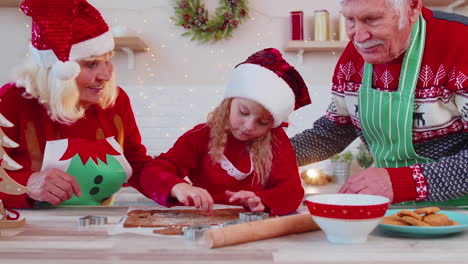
(177, 82)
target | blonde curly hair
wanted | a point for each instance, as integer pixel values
(60, 97)
(260, 148)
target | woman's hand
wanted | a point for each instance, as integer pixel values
(374, 181)
(53, 186)
(188, 194)
(247, 199)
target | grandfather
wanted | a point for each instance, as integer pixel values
(401, 85)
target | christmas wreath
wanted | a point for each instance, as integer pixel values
(192, 15)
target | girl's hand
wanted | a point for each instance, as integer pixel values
(188, 194)
(247, 199)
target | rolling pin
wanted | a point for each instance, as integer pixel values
(253, 231)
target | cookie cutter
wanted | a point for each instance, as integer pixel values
(92, 220)
(228, 223)
(252, 216)
(193, 233)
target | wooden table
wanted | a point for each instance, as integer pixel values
(52, 236)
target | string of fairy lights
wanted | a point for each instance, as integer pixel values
(148, 64)
(150, 58)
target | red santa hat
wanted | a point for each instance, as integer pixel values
(64, 31)
(268, 79)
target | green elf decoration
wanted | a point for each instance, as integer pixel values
(99, 167)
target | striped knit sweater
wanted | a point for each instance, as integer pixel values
(440, 118)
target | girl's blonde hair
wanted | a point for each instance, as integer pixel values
(60, 98)
(260, 148)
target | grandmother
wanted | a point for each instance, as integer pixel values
(78, 140)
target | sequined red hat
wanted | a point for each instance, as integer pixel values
(64, 31)
(268, 79)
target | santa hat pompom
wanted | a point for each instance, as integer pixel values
(66, 70)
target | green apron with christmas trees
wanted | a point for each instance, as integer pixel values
(99, 167)
(386, 118)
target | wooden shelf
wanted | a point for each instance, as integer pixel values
(134, 43)
(10, 3)
(320, 46)
(130, 45)
(309, 45)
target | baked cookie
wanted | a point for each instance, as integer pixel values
(427, 210)
(413, 221)
(437, 219)
(410, 214)
(393, 219)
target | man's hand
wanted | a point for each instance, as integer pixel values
(247, 199)
(53, 186)
(188, 194)
(374, 181)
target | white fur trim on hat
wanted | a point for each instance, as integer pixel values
(88, 48)
(262, 85)
(66, 71)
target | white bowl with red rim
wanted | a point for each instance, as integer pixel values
(347, 218)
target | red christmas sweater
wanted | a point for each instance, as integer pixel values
(189, 157)
(440, 118)
(33, 127)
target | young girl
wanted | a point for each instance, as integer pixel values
(241, 156)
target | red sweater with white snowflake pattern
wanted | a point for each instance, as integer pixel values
(189, 157)
(33, 127)
(440, 118)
